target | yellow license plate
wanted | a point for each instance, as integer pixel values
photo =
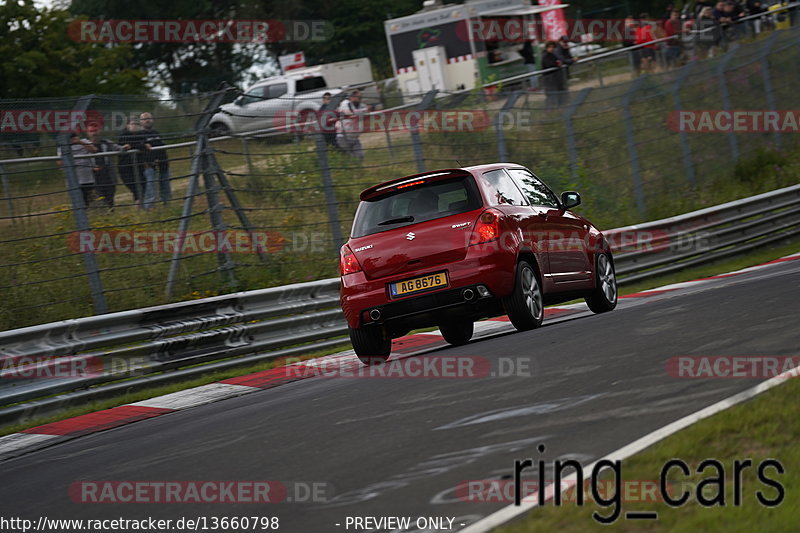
(423, 283)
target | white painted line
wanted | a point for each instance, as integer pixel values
(196, 396)
(510, 512)
(17, 441)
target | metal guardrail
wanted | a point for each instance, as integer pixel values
(141, 348)
(665, 246)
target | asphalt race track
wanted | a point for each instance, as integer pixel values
(400, 447)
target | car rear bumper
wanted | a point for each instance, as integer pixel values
(361, 296)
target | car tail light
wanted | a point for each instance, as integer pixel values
(487, 228)
(348, 264)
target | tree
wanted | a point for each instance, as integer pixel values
(178, 65)
(41, 60)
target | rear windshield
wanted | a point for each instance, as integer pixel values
(416, 204)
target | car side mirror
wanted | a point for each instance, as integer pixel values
(570, 199)
(238, 101)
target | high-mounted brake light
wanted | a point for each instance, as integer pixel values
(348, 264)
(487, 228)
(410, 184)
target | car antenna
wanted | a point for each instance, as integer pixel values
(459, 163)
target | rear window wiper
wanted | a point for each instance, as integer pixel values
(397, 220)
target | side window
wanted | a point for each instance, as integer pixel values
(253, 95)
(503, 189)
(276, 91)
(535, 190)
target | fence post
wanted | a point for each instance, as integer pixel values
(198, 166)
(633, 154)
(79, 210)
(598, 72)
(686, 151)
(226, 265)
(7, 193)
(137, 179)
(427, 100)
(244, 220)
(248, 159)
(502, 150)
(768, 92)
(726, 100)
(570, 130)
(330, 194)
(388, 141)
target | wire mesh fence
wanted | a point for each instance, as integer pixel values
(86, 232)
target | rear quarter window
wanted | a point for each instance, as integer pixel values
(310, 84)
(417, 204)
(502, 189)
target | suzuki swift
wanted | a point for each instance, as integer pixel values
(449, 247)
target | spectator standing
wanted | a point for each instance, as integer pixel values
(629, 39)
(733, 12)
(554, 82)
(158, 163)
(105, 173)
(673, 28)
(781, 16)
(348, 128)
(564, 55)
(644, 35)
(131, 170)
(83, 166)
(327, 120)
(529, 59)
(708, 33)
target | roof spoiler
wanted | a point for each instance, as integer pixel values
(391, 185)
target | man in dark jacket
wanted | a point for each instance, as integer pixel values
(157, 164)
(529, 59)
(564, 55)
(131, 167)
(554, 82)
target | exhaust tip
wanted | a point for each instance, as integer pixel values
(375, 314)
(468, 294)
(483, 291)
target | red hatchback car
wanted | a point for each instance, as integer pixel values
(449, 247)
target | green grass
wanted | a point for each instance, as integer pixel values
(764, 427)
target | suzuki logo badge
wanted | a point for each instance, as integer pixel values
(410, 235)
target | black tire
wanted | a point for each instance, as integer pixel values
(457, 333)
(371, 344)
(525, 306)
(603, 297)
(218, 129)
